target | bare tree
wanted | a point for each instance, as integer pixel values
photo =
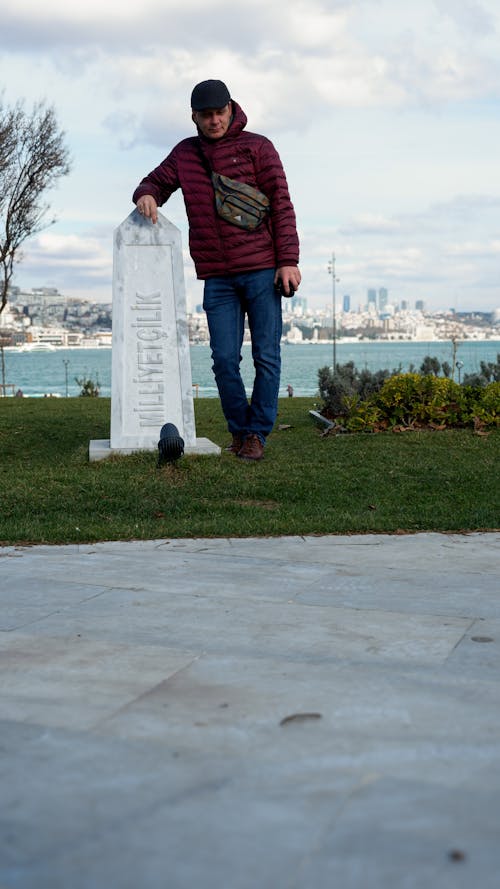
(33, 157)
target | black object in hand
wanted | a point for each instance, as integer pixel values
(281, 290)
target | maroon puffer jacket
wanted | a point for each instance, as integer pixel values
(218, 247)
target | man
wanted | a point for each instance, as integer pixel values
(240, 267)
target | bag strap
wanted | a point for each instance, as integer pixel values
(208, 166)
(204, 159)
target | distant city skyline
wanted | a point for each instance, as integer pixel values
(377, 300)
(385, 116)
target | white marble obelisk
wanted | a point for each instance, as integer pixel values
(151, 369)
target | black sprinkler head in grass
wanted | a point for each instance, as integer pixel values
(170, 445)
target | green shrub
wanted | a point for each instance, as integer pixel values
(408, 400)
(411, 400)
(489, 373)
(337, 389)
(487, 407)
(398, 399)
(89, 387)
(360, 416)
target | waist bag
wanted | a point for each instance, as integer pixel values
(239, 203)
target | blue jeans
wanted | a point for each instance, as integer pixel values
(227, 299)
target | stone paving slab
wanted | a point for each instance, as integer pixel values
(292, 713)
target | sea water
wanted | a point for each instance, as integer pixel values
(55, 372)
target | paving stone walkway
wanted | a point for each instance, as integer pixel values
(290, 713)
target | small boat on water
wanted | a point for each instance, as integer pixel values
(37, 347)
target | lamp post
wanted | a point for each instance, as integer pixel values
(459, 365)
(66, 362)
(331, 271)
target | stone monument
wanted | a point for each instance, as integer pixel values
(151, 368)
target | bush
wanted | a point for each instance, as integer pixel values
(346, 383)
(89, 387)
(415, 400)
(490, 372)
(487, 407)
(371, 402)
(360, 416)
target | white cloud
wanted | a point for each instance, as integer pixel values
(59, 257)
(477, 250)
(471, 17)
(368, 224)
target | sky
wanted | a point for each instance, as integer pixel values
(386, 116)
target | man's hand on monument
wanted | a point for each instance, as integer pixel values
(148, 207)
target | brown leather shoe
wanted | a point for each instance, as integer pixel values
(252, 449)
(235, 446)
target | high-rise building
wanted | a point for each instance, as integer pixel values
(419, 305)
(346, 304)
(383, 298)
(372, 297)
(298, 304)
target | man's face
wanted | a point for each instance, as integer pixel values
(213, 122)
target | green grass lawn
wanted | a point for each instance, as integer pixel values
(308, 483)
